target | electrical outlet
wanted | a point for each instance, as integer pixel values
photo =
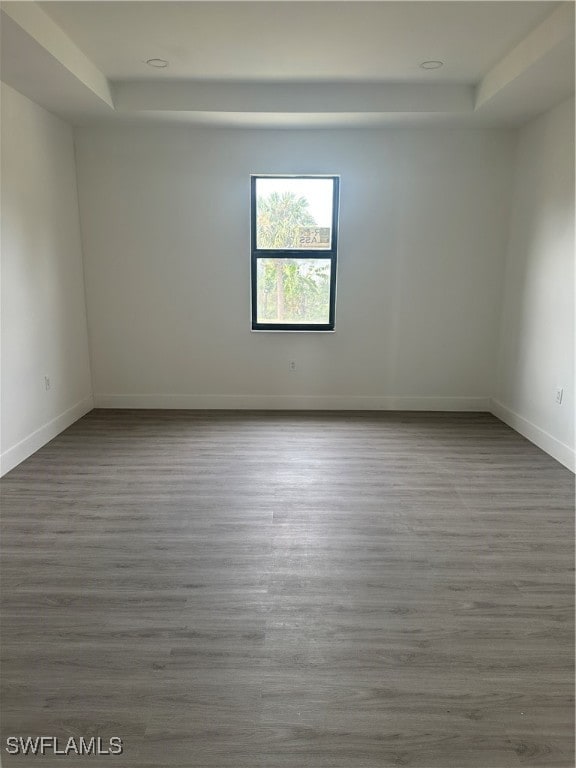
(292, 366)
(559, 395)
(47, 383)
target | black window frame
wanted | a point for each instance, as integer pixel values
(293, 253)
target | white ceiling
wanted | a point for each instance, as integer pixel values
(291, 64)
(294, 41)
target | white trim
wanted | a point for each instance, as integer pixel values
(295, 402)
(29, 445)
(544, 440)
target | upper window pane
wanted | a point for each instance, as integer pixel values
(294, 214)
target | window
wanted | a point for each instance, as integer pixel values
(294, 243)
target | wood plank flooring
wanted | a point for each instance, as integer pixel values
(290, 590)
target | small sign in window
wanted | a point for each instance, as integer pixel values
(314, 238)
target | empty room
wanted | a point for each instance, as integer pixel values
(287, 384)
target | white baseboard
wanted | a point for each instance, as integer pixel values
(13, 456)
(294, 402)
(544, 440)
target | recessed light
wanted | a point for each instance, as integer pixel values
(158, 63)
(431, 64)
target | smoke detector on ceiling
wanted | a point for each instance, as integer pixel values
(431, 64)
(157, 63)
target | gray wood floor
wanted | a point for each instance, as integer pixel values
(291, 590)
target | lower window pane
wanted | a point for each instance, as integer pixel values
(293, 291)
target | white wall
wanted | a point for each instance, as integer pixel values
(537, 340)
(43, 308)
(165, 212)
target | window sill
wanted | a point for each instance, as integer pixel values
(292, 330)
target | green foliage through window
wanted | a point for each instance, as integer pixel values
(280, 217)
(293, 290)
